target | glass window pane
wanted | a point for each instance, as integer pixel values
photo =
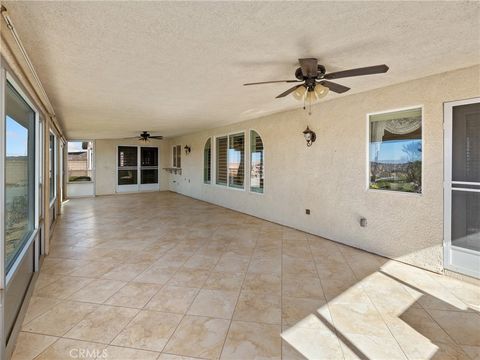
(179, 156)
(466, 143)
(149, 176)
(19, 174)
(236, 160)
(221, 160)
(466, 219)
(174, 156)
(395, 151)
(80, 161)
(149, 156)
(256, 162)
(52, 167)
(127, 156)
(127, 177)
(207, 162)
(127, 165)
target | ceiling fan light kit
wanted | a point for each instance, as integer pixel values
(314, 80)
(145, 137)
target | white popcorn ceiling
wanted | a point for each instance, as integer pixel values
(113, 69)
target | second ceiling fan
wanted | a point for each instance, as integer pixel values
(313, 80)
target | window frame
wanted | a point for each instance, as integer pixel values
(52, 166)
(7, 276)
(245, 165)
(93, 163)
(136, 188)
(210, 138)
(250, 162)
(214, 160)
(367, 174)
(176, 149)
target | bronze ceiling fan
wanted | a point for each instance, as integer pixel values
(145, 137)
(315, 80)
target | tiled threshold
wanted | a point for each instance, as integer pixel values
(163, 276)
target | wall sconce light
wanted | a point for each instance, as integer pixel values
(310, 136)
(187, 149)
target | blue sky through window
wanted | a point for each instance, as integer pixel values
(74, 146)
(17, 138)
(234, 156)
(256, 157)
(394, 151)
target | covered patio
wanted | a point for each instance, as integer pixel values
(177, 278)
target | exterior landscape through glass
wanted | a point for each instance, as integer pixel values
(19, 174)
(395, 151)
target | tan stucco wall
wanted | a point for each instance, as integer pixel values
(330, 178)
(105, 163)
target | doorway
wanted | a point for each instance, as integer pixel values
(462, 186)
(137, 168)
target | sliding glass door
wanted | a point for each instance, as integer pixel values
(148, 168)
(20, 197)
(19, 174)
(462, 186)
(137, 168)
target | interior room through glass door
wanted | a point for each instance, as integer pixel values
(137, 168)
(148, 168)
(127, 169)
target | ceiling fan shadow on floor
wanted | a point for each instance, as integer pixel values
(314, 81)
(145, 137)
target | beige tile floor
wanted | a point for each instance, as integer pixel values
(162, 276)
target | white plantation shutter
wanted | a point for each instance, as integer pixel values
(236, 160)
(207, 162)
(221, 160)
(177, 156)
(256, 162)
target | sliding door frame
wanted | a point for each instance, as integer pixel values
(138, 187)
(454, 256)
(8, 280)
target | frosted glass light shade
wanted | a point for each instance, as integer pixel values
(321, 91)
(299, 93)
(311, 97)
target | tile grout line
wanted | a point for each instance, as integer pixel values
(238, 296)
(193, 300)
(327, 302)
(373, 303)
(118, 334)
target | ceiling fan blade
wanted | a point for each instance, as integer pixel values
(156, 137)
(271, 82)
(289, 91)
(335, 87)
(369, 70)
(309, 67)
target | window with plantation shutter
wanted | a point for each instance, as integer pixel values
(177, 156)
(221, 146)
(207, 162)
(236, 160)
(256, 162)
